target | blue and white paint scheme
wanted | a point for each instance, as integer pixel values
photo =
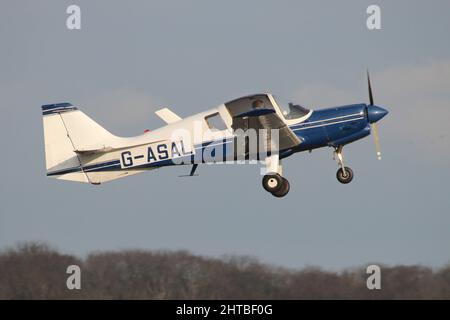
(79, 149)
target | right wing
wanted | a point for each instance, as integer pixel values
(267, 119)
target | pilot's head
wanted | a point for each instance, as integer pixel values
(258, 104)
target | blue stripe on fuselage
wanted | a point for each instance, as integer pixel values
(114, 165)
(111, 165)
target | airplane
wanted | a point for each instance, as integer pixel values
(79, 149)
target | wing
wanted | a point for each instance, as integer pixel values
(267, 119)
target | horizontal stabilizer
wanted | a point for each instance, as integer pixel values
(167, 116)
(104, 148)
(94, 150)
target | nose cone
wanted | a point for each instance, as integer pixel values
(375, 113)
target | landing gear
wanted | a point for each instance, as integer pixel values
(344, 174)
(273, 181)
(284, 190)
(276, 184)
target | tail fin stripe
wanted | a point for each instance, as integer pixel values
(47, 107)
(57, 108)
(46, 113)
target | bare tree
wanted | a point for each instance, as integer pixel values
(37, 271)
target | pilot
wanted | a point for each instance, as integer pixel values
(257, 104)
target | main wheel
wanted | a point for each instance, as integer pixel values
(272, 182)
(284, 190)
(344, 178)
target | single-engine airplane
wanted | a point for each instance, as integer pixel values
(79, 149)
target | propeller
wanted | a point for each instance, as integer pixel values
(374, 126)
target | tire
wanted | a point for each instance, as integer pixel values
(347, 178)
(284, 190)
(272, 182)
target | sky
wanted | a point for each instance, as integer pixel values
(132, 58)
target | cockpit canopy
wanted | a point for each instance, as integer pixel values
(289, 110)
(249, 103)
(263, 102)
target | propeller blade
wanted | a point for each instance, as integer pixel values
(370, 89)
(376, 139)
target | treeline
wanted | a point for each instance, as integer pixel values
(36, 271)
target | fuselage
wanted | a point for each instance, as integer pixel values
(210, 137)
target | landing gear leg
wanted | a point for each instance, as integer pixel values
(344, 174)
(273, 181)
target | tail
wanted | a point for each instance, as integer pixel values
(71, 137)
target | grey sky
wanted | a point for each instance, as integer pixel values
(131, 58)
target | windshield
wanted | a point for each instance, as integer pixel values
(289, 110)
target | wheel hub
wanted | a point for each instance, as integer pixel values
(272, 183)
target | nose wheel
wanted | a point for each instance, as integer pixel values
(276, 185)
(344, 174)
